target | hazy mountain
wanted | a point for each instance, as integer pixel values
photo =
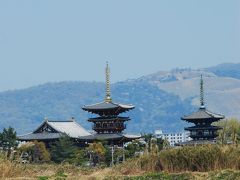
(175, 75)
(222, 92)
(26, 109)
(160, 99)
(226, 70)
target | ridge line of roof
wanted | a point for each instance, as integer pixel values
(205, 110)
(211, 113)
(70, 120)
(117, 104)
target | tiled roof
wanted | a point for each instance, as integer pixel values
(39, 136)
(203, 113)
(70, 127)
(110, 136)
(99, 108)
(107, 105)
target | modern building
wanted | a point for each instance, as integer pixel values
(108, 125)
(203, 131)
(173, 138)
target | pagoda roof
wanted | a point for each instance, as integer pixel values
(202, 114)
(107, 108)
(55, 130)
(112, 136)
(39, 136)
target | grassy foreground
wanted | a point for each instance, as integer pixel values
(202, 162)
(61, 172)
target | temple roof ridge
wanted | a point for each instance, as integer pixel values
(114, 103)
(109, 108)
(203, 113)
(69, 127)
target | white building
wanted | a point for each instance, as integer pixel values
(173, 138)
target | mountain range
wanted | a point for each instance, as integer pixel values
(161, 99)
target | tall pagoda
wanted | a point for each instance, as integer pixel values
(108, 125)
(203, 131)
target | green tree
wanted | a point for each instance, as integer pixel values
(8, 140)
(108, 155)
(133, 149)
(230, 131)
(234, 126)
(80, 157)
(63, 150)
(148, 140)
(223, 133)
(153, 144)
(36, 152)
(97, 152)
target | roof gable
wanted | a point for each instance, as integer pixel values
(45, 127)
(70, 127)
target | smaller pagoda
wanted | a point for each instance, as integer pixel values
(108, 125)
(203, 131)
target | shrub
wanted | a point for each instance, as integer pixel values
(200, 158)
(36, 151)
(97, 152)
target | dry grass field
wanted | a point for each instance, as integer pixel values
(65, 171)
(206, 162)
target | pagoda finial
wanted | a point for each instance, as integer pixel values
(108, 92)
(201, 93)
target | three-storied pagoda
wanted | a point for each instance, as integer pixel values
(203, 131)
(108, 125)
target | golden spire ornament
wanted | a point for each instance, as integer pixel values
(108, 92)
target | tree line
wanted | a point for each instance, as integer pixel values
(98, 153)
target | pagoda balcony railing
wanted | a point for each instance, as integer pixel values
(203, 136)
(108, 127)
(208, 133)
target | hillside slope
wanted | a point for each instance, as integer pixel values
(222, 93)
(25, 109)
(160, 99)
(226, 70)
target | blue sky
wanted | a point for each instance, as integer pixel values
(48, 41)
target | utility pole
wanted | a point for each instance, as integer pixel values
(112, 156)
(123, 152)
